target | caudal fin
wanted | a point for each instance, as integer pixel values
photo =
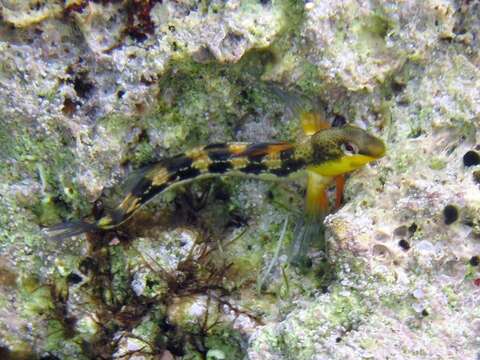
(68, 229)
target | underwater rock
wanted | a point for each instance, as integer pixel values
(92, 90)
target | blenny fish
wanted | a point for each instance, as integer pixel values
(323, 153)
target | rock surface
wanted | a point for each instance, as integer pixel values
(91, 90)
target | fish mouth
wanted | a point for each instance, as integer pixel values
(381, 153)
(377, 150)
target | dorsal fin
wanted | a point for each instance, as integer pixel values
(309, 112)
(312, 122)
(260, 149)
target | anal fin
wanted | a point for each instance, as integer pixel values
(316, 201)
(309, 229)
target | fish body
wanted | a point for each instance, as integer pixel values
(262, 160)
(322, 155)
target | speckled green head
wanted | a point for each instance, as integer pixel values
(340, 150)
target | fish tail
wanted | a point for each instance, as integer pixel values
(277, 158)
(68, 229)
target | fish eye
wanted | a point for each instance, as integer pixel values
(349, 148)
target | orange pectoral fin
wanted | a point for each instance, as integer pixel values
(339, 188)
(313, 122)
(316, 202)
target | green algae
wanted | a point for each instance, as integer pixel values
(299, 341)
(49, 160)
(37, 298)
(437, 163)
(452, 295)
(224, 341)
(45, 159)
(120, 284)
(47, 211)
(195, 101)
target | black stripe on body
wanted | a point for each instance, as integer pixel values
(178, 163)
(288, 167)
(141, 187)
(254, 168)
(185, 174)
(257, 158)
(286, 155)
(219, 154)
(119, 215)
(153, 191)
(219, 167)
(216, 146)
(181, 168)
